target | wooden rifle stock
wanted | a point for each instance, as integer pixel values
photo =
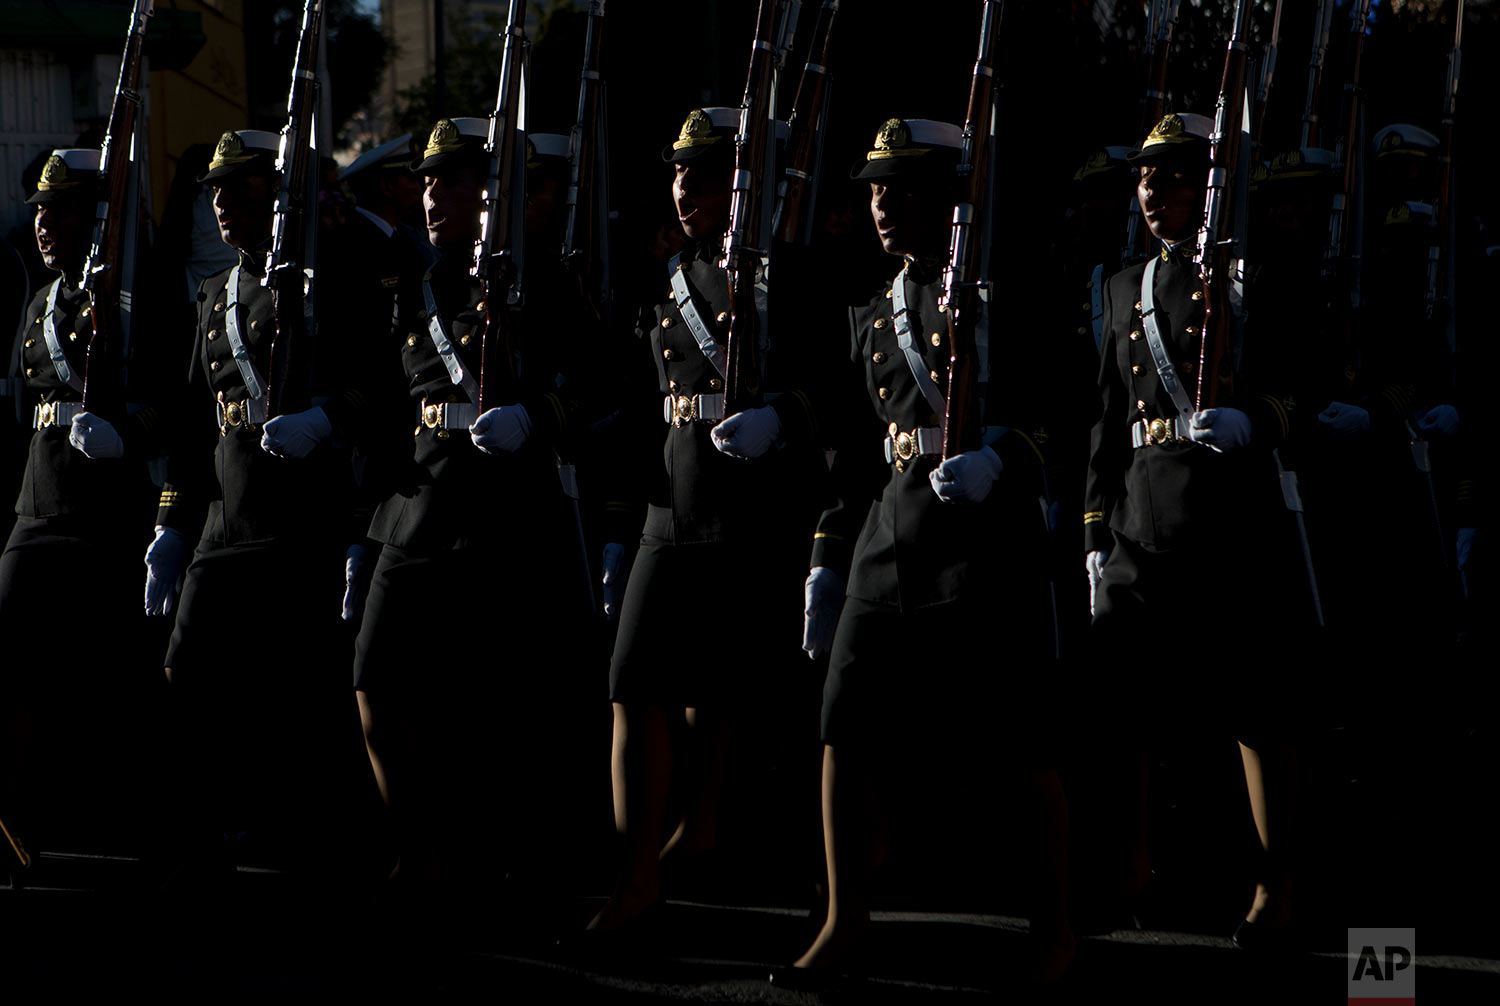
(101, 273)
(1267, 78)
(585, 241)
(961, 278)
(744, 242)
(792, 222)
(1322, 25)
(1216, 248)
(494, 253)
(285, 265)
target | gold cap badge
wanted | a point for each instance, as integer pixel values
(55, 176)
(894, 140)
(1169, 130)
(445, 139)
(231, 150)
(697, 131)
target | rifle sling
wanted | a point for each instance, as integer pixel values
(444, 345)
(54, 347)
(684, 298)
(1164, 369)
(255, 386)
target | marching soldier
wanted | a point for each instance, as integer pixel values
(1177, 510)
(728, 511)
(268, 504)
(474, 519)
(918, 555)
(72, 532)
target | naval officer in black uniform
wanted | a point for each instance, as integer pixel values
(76, 537)
(730, 501)
(256, 647)
(472, 519)
(920, 564)
(1183, 523)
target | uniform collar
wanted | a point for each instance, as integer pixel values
(253, 260)
(1179, 253)
(385, 227)
(924, 270)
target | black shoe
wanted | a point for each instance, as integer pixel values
(1256, 938)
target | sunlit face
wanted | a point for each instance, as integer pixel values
(911, 217)
(63, 228)
(242, 206)
(702, 195)
(452, 199)
(1171, 197)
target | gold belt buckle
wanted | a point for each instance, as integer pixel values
(903, 445)
(45, 413)
(683, 411)
(1156, 431)
(431, 415)
(234, 413)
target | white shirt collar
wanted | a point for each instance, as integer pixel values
(385, 228)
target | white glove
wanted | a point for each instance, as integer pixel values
(1344, 420)
(95, 437)
(1440, 419)
(1093, 564)
(501, 431)
(823, 597)
(1221, 429)
(616, 572)
(297, 435)
(356, 583)
(967, 478)
(747, 434)
(164, 569)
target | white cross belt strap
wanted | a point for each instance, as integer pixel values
(254, 386)
(440, 341)
(54, 346)
(1164, 369)
(901, 319)
(1096, 306)
(684, 298)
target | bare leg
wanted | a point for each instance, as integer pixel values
(698, 831)
(1271, 778)
(850, 826)
(641, 766)
(372, 747)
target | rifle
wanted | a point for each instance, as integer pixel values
(1342, 250)
(961, 277)
(290, 263)
(102, 278)
(1322, 25)
(1161, 18)
(1267, 74)
(797, 193)
(746, 241)
(496, 262)
(1216, 253)
(1440, 253)
(585, 250)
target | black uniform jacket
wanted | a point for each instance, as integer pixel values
(896, 541)
(59, 479)
(701, 494)
(1166, 495)
(446, 493)
(252, 496)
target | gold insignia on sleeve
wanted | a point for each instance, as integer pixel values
(55, 176)
(231, 150)
(894, 140)
(697, 131)
(445, 139)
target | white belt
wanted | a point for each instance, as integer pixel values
(903, 445)
(679, 410)
(449, 415)
(1148, 432)
(55, 414)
